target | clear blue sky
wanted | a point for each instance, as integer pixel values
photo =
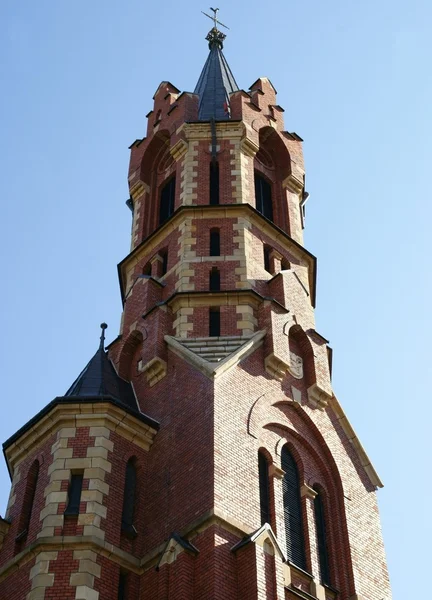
(77, 80)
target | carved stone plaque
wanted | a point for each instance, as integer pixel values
(296, 367)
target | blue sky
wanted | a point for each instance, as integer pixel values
(355, 81)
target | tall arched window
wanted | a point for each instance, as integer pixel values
(167, 197)
(263, 196)
(214, 182)
(292, 510)
(28, 501)
(321, 538)
(264, 487)
(129, 499)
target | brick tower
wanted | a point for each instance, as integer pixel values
(203, 453)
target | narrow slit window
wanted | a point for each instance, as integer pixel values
(267, 263)
(164, 256)
(264, 488)
(167, 197)
(214, 322)
(147, 269)
(129, 499)
(214, 242)
(321, 539)
(263, 197)
(214, 182)
(292, 510)
(122, 586)
(214, 280)
(75, 488)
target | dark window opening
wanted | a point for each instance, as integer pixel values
(285, 265)
(164, 255)
(214, 182)
(122, 586)
(28, 501)
(321, 539)
(267, 251)
(292, 510)
(147, 269)
(263, 197)
(75, 488)
(214, 280)
(214, 322)
(214, 242)
(167, 201)
(264, 488)
(129, 499)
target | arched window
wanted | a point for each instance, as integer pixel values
(321, 538)
(28, 501)
(264, 487)
(147, 269)
(167, 197)
(214, 279)
(214, 242)
(263, 196)
(214, 321)
(129, 499)
(214, 182)
(292, 510)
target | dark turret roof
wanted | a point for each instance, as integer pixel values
(216, 82)
(99, 378)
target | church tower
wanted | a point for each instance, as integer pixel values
(202, 454)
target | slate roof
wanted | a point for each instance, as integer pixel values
(99, 378)
(98, 382)
(214, 86)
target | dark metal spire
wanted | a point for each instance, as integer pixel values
(216, 81)
(99, 378)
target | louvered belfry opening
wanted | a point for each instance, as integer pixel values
(263, 196)
(264, 487)
(292, 510)
(129, 498)
(167, 197)
(321, 538)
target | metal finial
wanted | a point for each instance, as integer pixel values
(214, 36)
(102, 337)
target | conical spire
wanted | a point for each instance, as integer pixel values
(216, 81)
(99, 378)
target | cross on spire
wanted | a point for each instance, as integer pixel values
(214, 18)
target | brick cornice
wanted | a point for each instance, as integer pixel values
(77, 414)
(114, 553)
(220, 211)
